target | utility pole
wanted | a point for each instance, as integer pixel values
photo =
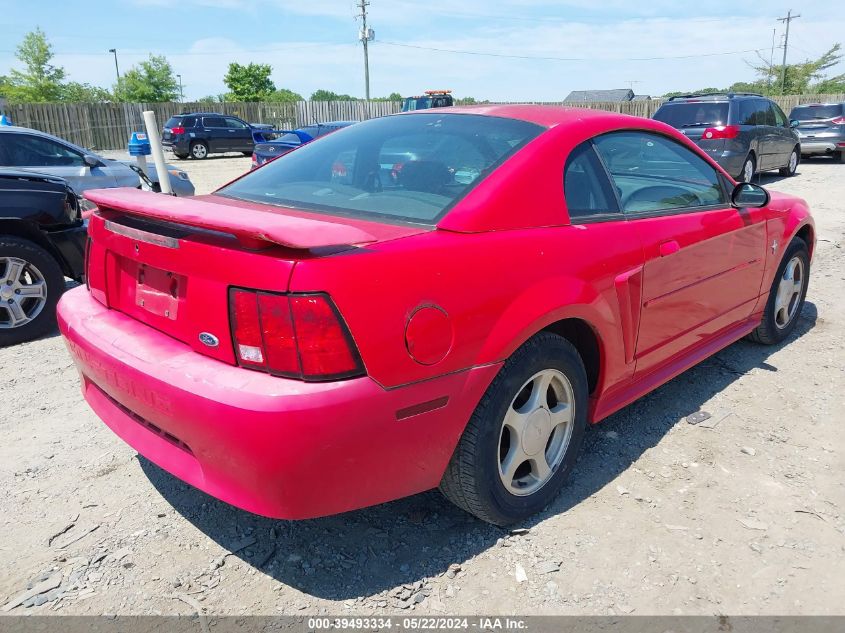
(181, 94)
(789, 17)
(365, 36)
(771, 64)
(116, 69)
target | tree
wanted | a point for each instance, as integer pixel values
(249, 83)
(804, 77)
(328, 95)
(393, 96)
(40, 80)
(283, 95)
(73, 91)
(466, 101)
(212, 99)
(149, 82)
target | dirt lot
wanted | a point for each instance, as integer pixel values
(660, 517)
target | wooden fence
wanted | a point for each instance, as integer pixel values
(103, 126)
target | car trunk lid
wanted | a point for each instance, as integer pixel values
(170, 262)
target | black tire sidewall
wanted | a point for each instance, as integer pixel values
(48, 266)
(750, 158)
(560, 356)
(796, 246)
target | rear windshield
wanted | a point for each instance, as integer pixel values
(693, 114)
(174, 121)
(815, 112)
(404, 168)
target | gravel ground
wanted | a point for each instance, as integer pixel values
(742, 516)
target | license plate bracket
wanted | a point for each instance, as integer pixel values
(158, 291)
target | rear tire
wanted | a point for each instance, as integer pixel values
(199, 150)
(839, 157)
(24, 268)
(749, 168)
(180, 156)
(247, 154)
(503, 475)
(786, 296)
(792, 165)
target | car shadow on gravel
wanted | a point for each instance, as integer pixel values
(366, 552)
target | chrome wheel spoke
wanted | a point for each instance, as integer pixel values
(37, 290)
(17, 316)
(788, 293)
(14, 268)
(540, 468)
(513, 460)
(539, 393)
(561, 414)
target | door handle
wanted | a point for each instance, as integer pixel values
(668, 248)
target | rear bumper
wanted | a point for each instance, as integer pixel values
(277, 447)
(730, 161)
(827, 146)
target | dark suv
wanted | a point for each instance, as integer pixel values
(745, 133)
(199, 134)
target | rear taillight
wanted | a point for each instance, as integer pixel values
(339, 170)
(720, 132)
(840, 120)
(297, 336)
(177, 130)
(254, 160)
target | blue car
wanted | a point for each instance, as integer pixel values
(291, 139)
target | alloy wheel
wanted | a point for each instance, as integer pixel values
(789, 291)
(23, 292)
(536, 432)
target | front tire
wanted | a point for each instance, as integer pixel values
(31, 283)
(786, 296)
(791, 166)
(524, 436)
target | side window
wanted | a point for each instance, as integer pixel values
(769, 114)
(213, 121)
(780, 117)
(34, 151)
(586, 188)
(189, 121)
(654, 173)
(235, 123)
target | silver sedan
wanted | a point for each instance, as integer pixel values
(29, 149)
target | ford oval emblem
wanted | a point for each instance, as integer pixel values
(209, 339)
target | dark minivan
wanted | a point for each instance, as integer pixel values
(745, 133)
(199, 134)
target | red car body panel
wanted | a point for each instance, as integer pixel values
(433, 311)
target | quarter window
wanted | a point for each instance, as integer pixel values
(235, 123)
(585, 185)
(213, 121)
(653, 173)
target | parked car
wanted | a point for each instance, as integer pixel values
(821, 128)
(430, 99)
(291, 139)
(25, 148)
(357, 339)
(745, 133)
(42, 241)
(198, 134)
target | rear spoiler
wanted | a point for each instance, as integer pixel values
(252, 228)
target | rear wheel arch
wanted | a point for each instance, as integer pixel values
(586, 342)
(807, 234)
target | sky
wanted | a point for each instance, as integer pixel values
(501, 50)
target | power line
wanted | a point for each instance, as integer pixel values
(567, 59)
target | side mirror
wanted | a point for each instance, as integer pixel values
(92, 161)
(794, 124)
(747, 194)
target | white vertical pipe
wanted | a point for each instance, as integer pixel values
(158, 152)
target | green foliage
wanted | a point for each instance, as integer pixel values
(39, 81)
(283, 95)
(393, 96)
(150, 81)
(328, 95)
(73, 91)
(466, 101)
(212, 99)
(803, 78)
(250, 82)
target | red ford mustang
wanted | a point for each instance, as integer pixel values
(442, 298)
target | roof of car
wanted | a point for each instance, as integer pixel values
(714, 96)
(547, 116)
(29, 130)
